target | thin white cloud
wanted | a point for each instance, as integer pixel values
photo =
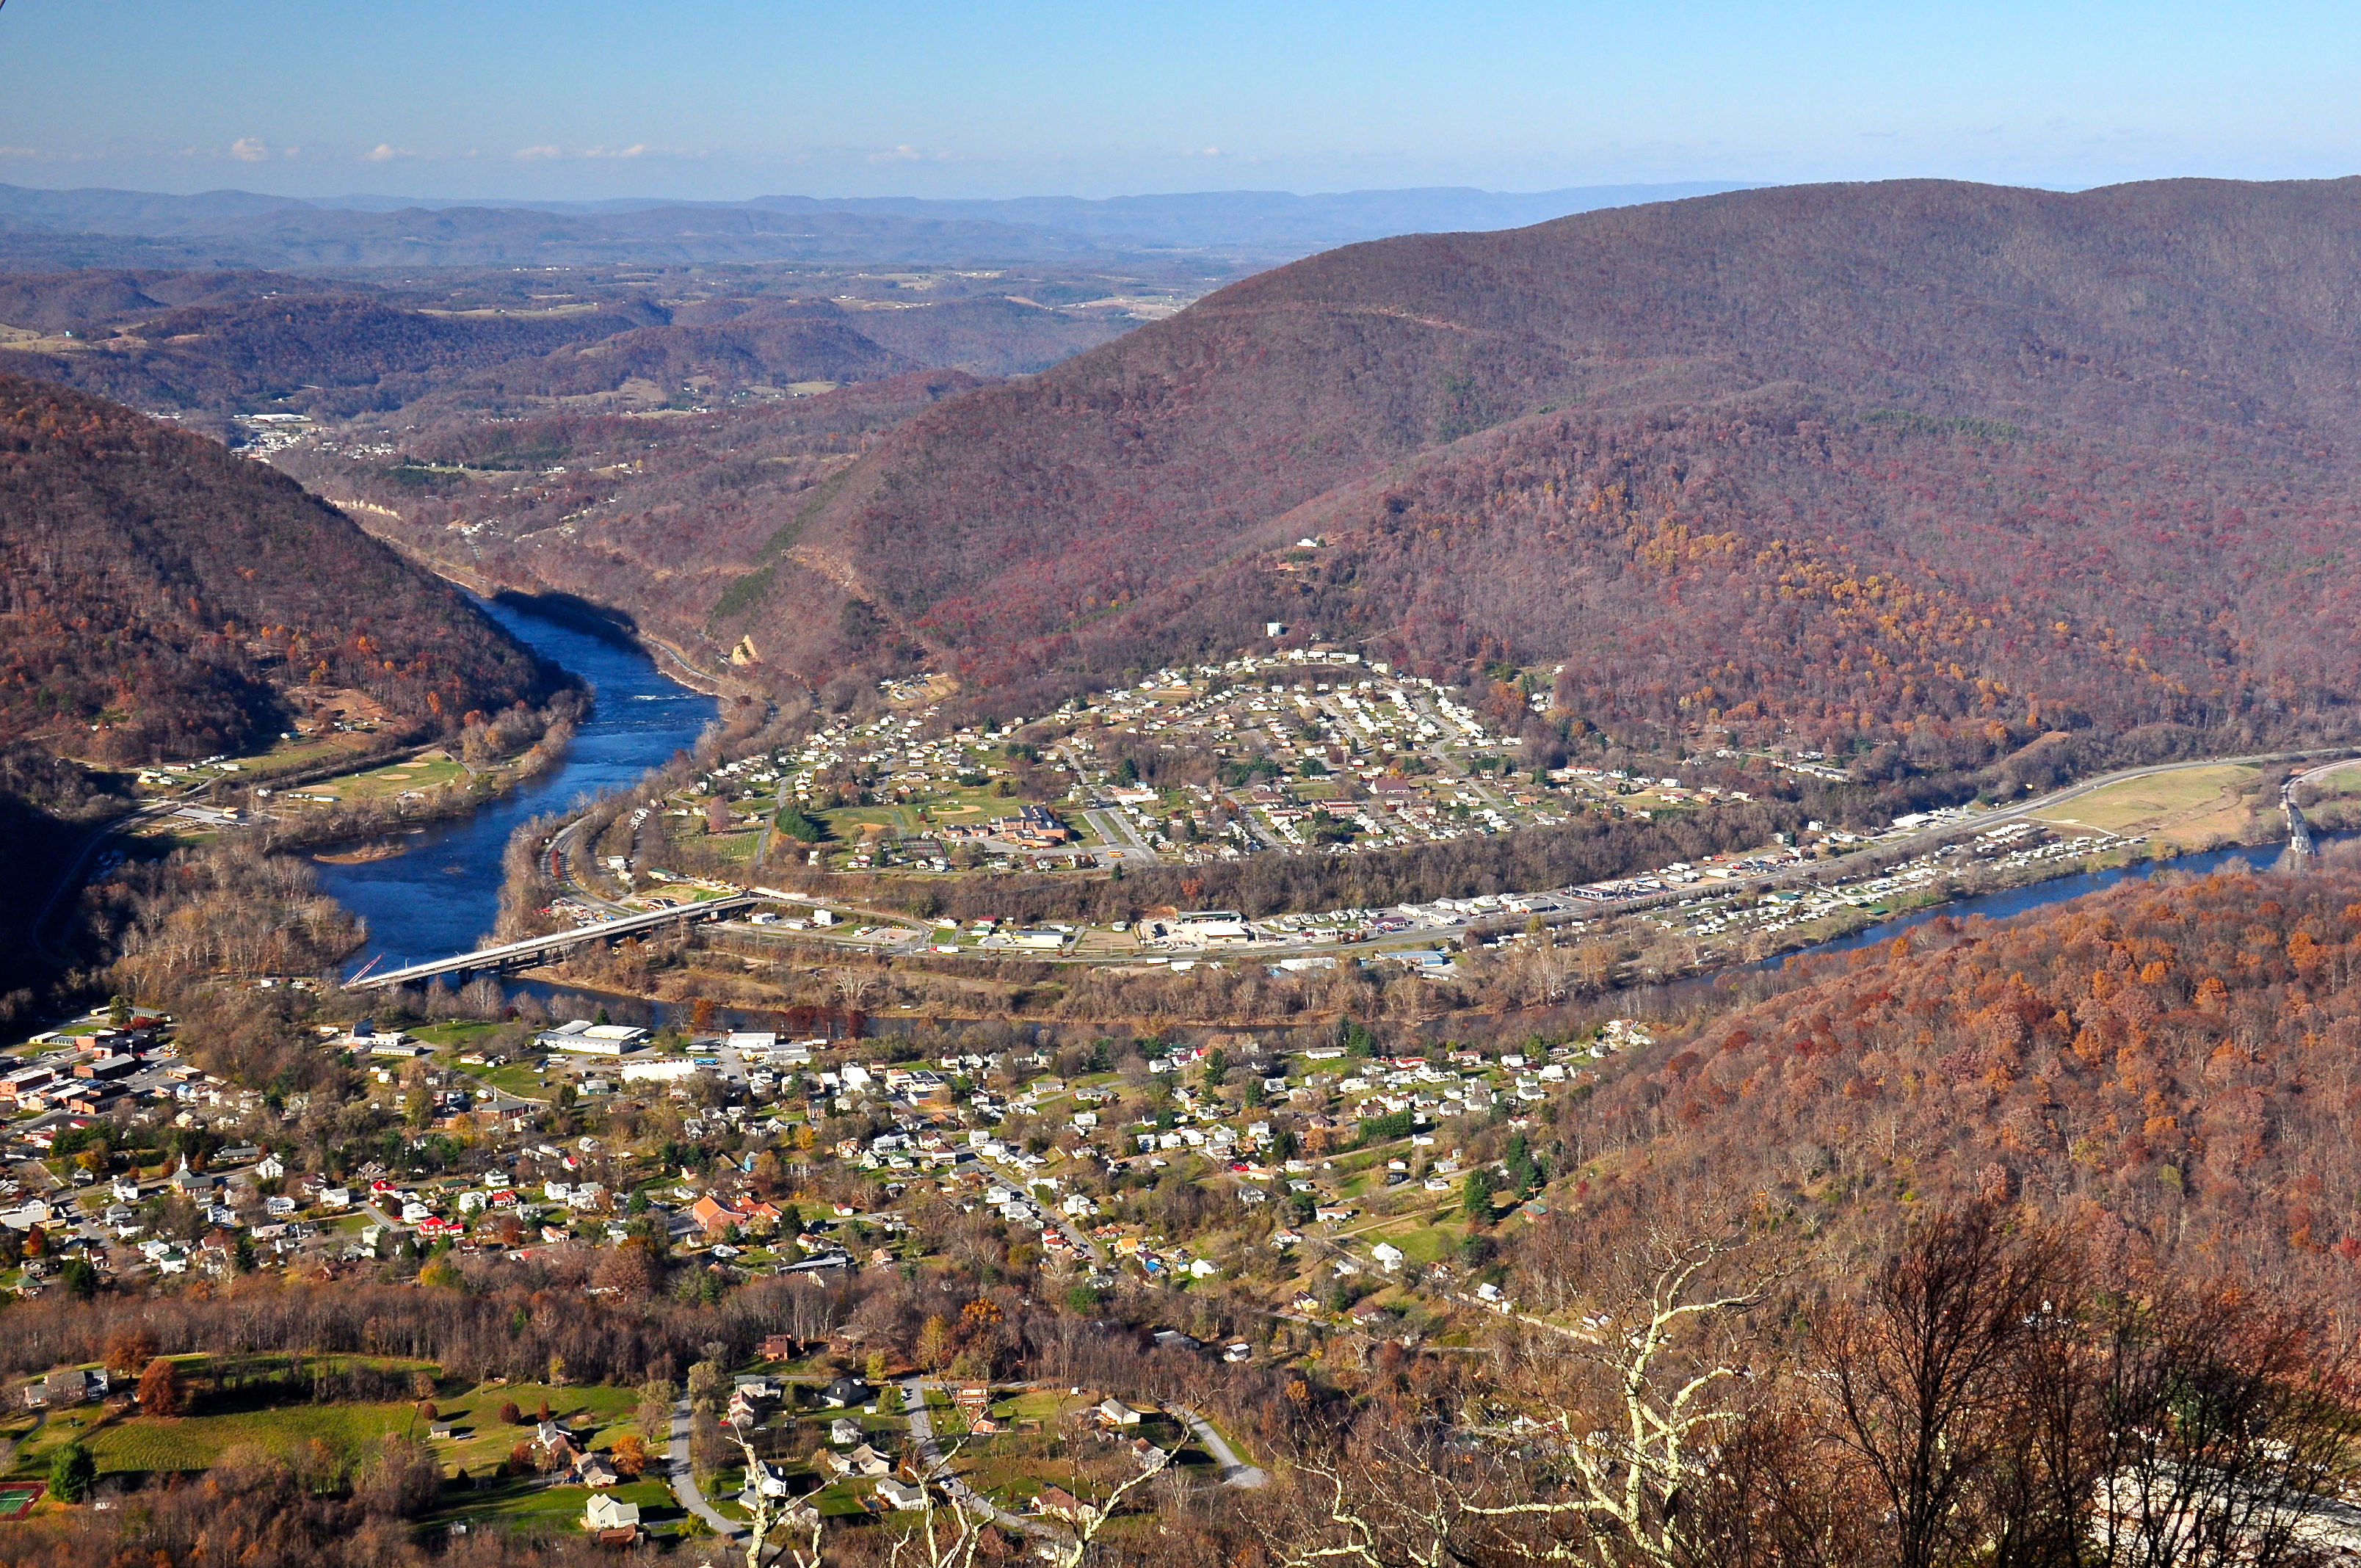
(386, 152)
(250, 149)
(638, 149)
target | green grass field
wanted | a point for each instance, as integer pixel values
(845, 823)
(962, 807)
(604, 1414)
(352, 1431)
(294, 756)
(529, 1503)
(2345, 780)
(429, 772)
(733, 846)
(1421, 1241)
(195, 1442)
(1043, 1405)
(2183, 802)
(448, 1035)
(524, 1082)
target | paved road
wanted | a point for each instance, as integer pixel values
(2300, 844)
(2043, 805)
(2313, 775)
(760, 860)
(1123, 843)
(563, 848)
(684, 1479)
(1236, 1472)
(929, 1455)
(1455, 767)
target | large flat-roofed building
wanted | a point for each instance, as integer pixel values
(594, 1039)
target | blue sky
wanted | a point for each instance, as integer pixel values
(729, 98)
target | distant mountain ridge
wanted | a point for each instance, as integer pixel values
(1923, 467)
(97, 227)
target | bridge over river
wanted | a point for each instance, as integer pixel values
(533, 949)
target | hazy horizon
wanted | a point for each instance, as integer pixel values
(537, 102)
(628, 198)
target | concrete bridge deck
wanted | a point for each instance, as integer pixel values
(511, 955)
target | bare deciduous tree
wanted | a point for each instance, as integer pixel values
(1922, 1373)
(1631, 1405)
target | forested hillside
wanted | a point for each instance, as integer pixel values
(162, 595)
(1946, 465)
(812, 344)
(2173, 1069)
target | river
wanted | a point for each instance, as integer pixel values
(2036, 895)
(443, 895)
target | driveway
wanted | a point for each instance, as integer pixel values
(1236, 1472)
(684, 1480)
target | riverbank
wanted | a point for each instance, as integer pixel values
(1989, 885)
(369, 822)
(2002, 904)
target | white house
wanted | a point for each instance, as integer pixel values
(1388, 1256)
(608, 1512)
(772, 1479)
